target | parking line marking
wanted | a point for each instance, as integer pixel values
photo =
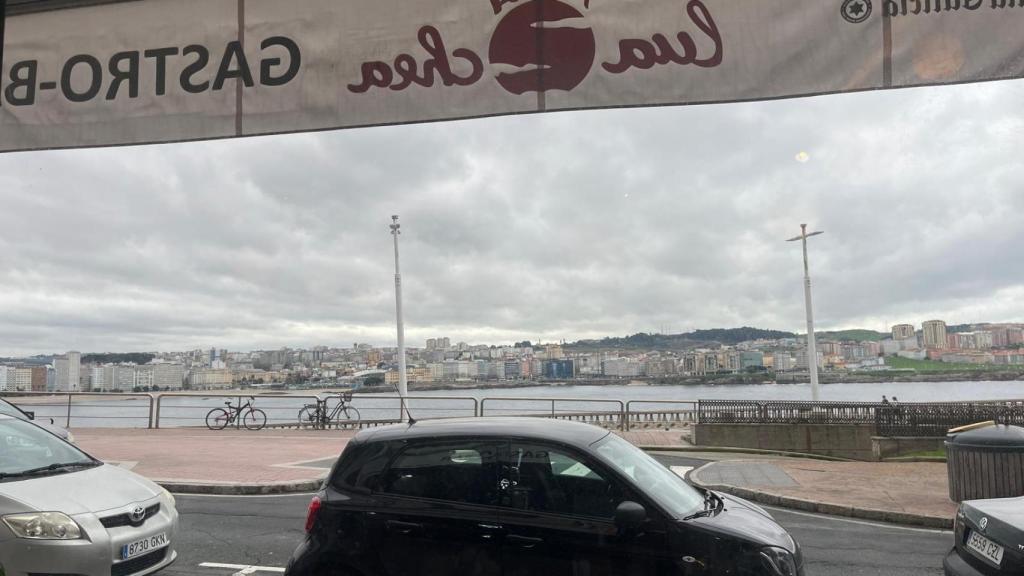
(243, 570)
(681, 471)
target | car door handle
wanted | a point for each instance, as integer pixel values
(403, 527)
(524, 541)
(489, 531)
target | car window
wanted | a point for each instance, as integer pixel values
(656, 481)
(457, 472)
(549, 479)
(362, 467)
(8, 409)
(25, 446)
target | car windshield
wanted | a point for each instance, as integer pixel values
(8, 409)
(657, 482)
(26, 448)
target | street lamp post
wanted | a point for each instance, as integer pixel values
(403, 385)
(812, 350)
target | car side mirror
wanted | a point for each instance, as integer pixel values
(630, 516)
(31, 415)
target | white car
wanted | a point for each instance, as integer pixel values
(64, 512)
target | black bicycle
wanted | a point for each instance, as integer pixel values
(344, 415)
(251, 417)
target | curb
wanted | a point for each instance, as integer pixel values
(724, 450)
(761, 497)
(228, 489)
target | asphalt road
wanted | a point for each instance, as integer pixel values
(263, 531)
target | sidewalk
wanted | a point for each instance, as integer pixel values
(228, 461)
(240, 461)
(196, 460)
(904, 493)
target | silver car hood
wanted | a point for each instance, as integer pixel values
(91, 490)
(1008, 510)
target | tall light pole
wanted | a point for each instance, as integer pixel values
(812, 349)
(403, 385)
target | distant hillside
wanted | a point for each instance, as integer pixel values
(737, 335)
(32, 361)
(854, 335)
(667, 341)
(133, 357)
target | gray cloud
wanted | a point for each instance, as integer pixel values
(541, 227)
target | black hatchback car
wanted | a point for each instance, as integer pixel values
(529, 497)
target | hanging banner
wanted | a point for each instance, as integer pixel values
(151, 71)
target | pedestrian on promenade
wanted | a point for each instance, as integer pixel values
(885, 400)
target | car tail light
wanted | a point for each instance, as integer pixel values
(311, 513)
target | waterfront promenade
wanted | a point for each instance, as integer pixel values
(269, 457)
(271, 461)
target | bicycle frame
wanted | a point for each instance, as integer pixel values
(235, 412)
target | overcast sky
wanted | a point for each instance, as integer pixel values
(548, 227)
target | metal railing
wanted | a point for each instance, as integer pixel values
(116, 410)
(936, 419)
(283, 409)
(784, 412)
(424, 408)
(190, 408)
(922, 419)
(682, 412)
(577, 409)
(183, 409)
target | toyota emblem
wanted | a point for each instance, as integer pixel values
(983, 524)
(139, 514)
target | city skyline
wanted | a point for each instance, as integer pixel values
(746, 351)
(919, 331)
(621, 222)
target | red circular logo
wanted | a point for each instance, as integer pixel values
(539, 41)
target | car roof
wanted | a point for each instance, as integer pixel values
(570, 433)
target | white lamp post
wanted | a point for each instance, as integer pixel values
(812, 350)
(403, 385)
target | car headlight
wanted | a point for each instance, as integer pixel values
(170, 497)
(778, 561)
(43, 526)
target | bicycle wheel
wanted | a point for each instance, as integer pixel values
(348, 417)
(217, 419)
(307, 416)
(254, 419)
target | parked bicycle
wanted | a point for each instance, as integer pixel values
(251, 417)
(344, 415)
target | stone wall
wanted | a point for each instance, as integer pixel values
(853, 441)
(883, 447)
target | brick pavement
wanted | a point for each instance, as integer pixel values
(274, 456)
(918, 488)
(269, 456)
(227, 456)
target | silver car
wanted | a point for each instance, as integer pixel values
(9, 409)
(64, 512)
